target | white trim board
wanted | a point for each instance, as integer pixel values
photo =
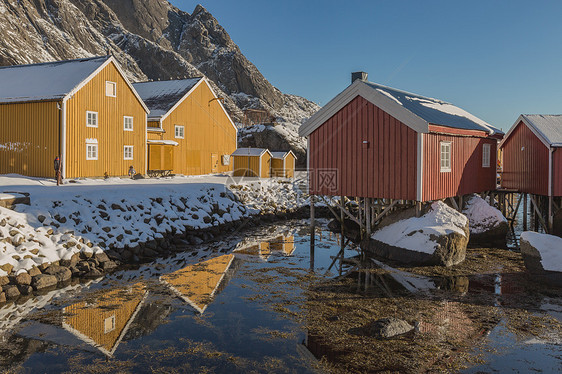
(531, 127)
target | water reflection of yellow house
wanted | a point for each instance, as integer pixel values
(104, 323)
(285, 244)
(198, 283)
(264, 249)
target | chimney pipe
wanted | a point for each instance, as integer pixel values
(358, 75)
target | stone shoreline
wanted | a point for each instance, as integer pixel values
(88, 265)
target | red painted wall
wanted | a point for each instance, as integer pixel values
(385, 168)
(525, 169)
(557, 172)
(467, 174)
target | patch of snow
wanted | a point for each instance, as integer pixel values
(167, 142)
(549, 247)
(415, 233)
(387, 94)
(481, 215)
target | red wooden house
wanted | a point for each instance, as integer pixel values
(532, 159)
(375, 141)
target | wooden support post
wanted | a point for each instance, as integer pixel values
(525, 210)
(368, 216)
(312, 232)
(454, 203)
(342, 210)
(550, 215)
(418, 208)
(538, 214)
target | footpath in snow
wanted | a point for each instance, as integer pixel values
(127, 219)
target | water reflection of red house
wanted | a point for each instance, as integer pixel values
(499, 284)
(449, 319)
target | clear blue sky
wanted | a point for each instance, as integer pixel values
(496, 59)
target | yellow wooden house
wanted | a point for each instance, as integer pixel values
(84, 110)
(197, 284)
(283, 164)
(189, 130)
(252, 162)
(104, 322)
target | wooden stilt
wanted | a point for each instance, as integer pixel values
(312, 232)
(342, 211)
(550, 214)
(418, 208)
(525, 211)
(368, 216)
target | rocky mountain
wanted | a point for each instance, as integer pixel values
(152, 39)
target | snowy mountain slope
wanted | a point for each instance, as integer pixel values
(151, 39)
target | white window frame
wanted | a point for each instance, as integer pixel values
(125, 148)
(114, 85)
(445, 163)
(92, 144)
(486, 155)
(178, 127)
(125, 128)
(109, 327)
(88, 112)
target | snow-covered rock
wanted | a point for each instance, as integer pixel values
(542, 254)
(438, 237)
(487, 224)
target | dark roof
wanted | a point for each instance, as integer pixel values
(45, 81)
(161, 96)
(435, 111)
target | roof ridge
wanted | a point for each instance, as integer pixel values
(56, 62)
(408, 92)
(171, 80)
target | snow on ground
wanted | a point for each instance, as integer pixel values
(549, 246)
(481, 215)
(95, 215)
(415, 233)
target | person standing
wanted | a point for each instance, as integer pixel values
(58, 170)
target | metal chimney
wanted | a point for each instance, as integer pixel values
(358, 75)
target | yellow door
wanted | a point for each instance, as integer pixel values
(214, 163)
(168, 157)
(155, 157)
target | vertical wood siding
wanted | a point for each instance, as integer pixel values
(110, 134)
(467, 174)
(557, 172)
(207, 131)
(265, 165)
(29, 138)
(290, 166)
(525, 162)
(277, 169)
(384, 168)
(246, 166)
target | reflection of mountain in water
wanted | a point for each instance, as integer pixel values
(104, 322)
(198, 283)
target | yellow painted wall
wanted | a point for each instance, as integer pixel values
(266, 165)
(246, 166)
(287, 170)
(109, 133)
(88, 319)
(29, 138)
(290, 166)
(207, 130)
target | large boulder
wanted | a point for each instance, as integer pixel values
(386, 328)
(488, 227)
(542, 255)
(439, 237)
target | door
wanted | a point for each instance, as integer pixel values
(155, 157)
(214, 163)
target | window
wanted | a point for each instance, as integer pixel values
(128, 123)
(92, 119)
(109, 324)
(110, 89)
(486, 156)
(128, 152)
(445, 156)
(91, 149)
(179, 132)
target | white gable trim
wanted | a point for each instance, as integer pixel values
(360, 88)
(285, 155)
(531, 127)
(111, 59)
(165, 115)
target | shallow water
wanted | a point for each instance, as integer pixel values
(239, 305)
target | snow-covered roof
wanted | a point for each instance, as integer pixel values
(434, 111)
(45, 81)
(548, 127)
(281, 154)
(161, 141)
(162, 96)
(249, 152)
(415, 111)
